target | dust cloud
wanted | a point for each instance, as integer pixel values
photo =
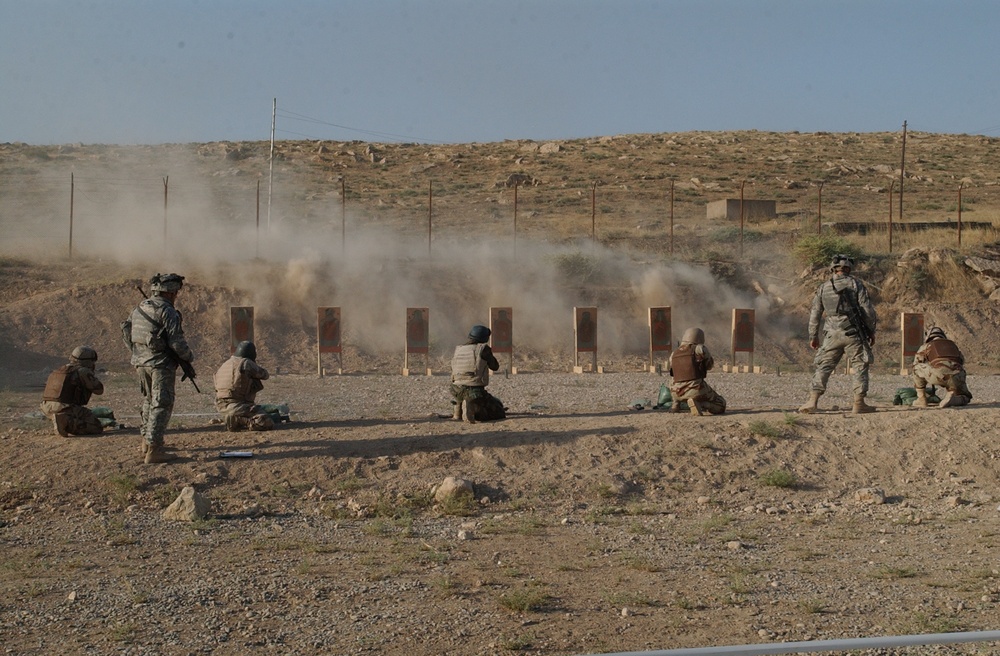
(287, 264)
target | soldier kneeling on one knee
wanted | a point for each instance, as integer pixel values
(68, 391)
(689, 365)
(236, 385)
(940, 362)
(470, 374)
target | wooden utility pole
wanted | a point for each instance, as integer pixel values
(430, 214)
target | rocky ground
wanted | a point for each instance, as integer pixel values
(594, 528)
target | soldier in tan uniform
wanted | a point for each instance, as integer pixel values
(470, 374)
(940, 362)
(236, 385)
(68, 391)
(689, 365)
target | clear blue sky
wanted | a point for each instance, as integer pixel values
(137, 71)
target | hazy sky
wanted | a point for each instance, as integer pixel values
(137, 71)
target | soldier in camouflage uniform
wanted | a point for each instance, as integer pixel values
(68, 391)
(940, 362)
(840, 298)
(236, 385)
(157, 341)
(470, 374)
(689, 365)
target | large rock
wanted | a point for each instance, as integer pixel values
(452, 488)
(187, 507)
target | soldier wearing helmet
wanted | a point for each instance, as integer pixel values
(689, 365)
(842, 308)
(940, 362)
(470, 374)
(156, 337)
(67, 392)
(236, 385)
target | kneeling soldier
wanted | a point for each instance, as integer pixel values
(68, 391)
(236, 385)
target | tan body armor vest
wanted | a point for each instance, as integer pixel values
(468, 366)
(232, 384)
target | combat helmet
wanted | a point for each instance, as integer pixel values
(935, 333)
(841, 260)
(166, 282)
(479, 334)
(693, 336)
(83, 353)
(246, 350)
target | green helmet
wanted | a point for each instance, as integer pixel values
(84, 353)
(166, 282)
(246, 350)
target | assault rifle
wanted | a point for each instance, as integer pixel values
(186, 367)
(848, 306)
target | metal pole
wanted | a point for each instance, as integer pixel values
(671, 217)
(819, 211)
(515, 220)
(257, 232)
(72, 190)
(270, 164)
(960, 213)
(902, 173)
(343, 218)
(430, 214)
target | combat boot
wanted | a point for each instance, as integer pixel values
(921, 400)
(812, 405)
(695, 408)
(457, 412)
(236, 423)
(947, 400)
(61, 424)
(675, 406)
(155, 454)
(860, 407)
(471, 407)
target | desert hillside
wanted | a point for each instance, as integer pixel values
(592, 526)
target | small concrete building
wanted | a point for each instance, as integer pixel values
(753, 210)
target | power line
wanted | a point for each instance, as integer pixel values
(295, 116)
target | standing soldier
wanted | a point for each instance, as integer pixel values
(236, 385)
(940, 362)
(68, 391)
(470, 374)
(158, 348)
(689, 365)
(849, 328)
